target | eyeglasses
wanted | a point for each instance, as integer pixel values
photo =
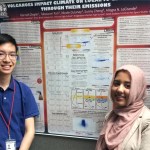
(12, 55)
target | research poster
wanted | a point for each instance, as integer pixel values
(68, 51)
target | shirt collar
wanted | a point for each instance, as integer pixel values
(11, 84)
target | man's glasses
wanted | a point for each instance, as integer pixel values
(12, 55)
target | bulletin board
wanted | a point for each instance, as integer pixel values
(68, 51)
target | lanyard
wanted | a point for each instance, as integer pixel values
(12, 105)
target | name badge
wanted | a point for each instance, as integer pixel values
(11, 144)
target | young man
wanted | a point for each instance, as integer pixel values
(17, 104)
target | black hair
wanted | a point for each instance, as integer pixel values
(6, 38)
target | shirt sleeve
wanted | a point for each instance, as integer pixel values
(30, 105)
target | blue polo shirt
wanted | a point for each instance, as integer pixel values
(24, 107)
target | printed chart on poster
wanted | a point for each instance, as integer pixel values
(68, 51)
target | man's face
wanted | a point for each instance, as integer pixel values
(7, 58)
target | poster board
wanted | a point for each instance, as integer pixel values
(68, 51)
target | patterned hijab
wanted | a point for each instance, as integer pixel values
(121, 120)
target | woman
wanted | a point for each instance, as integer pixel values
(127, 126)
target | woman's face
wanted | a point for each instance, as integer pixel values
(120, 89)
